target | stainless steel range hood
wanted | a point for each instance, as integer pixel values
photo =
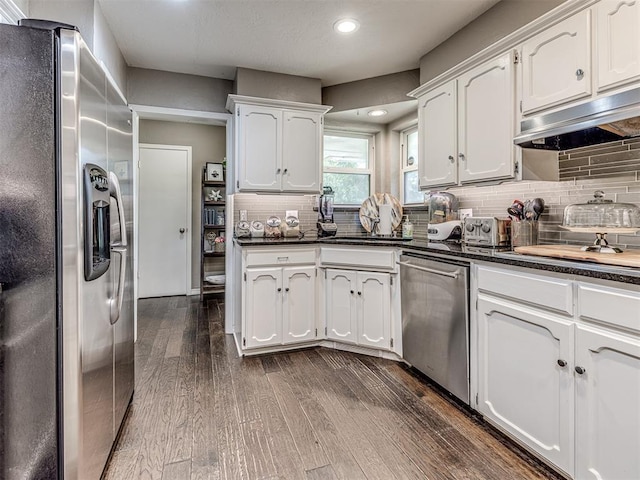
(605, 119)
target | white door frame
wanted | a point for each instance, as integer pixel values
(187, 149)
(148, 112)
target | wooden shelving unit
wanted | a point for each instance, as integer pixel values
(211, 262)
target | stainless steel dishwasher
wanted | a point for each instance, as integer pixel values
(435, 320)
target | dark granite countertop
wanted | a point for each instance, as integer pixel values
(463, 252)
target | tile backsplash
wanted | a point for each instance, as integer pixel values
(612, 167)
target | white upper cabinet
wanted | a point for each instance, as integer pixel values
(466, 127)
(437, 137)
(617, 42)
(557, 64)
(301, 151)
(278, 145)
(486, 121)
(259, 147)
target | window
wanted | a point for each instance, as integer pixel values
(410, 188)
(348, 166)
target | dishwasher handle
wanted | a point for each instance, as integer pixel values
(430, 270)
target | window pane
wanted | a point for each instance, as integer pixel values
(412, 149)
(412, 193)
(350, 189)
(346, 152)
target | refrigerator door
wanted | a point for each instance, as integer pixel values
(28, 256)
(120, 152)
(96, 331)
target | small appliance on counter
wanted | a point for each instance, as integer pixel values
(326, 225)
(443, 221)
(600, 216)
(291, 225)
(487, 231)
(272, 228)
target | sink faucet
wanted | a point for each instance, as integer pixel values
(374, 221)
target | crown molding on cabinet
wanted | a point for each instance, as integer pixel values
(512, 40)
(233, 100)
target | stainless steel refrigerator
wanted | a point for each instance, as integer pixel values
(66, 296)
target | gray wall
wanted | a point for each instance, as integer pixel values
(177, 90)
(208, 144)
(501, 20)
(257, 83)
(87, 16)
(381, 90)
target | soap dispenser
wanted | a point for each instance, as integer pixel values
(407, 228)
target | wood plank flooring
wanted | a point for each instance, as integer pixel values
(201, 412)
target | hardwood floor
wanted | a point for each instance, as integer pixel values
(201, 412)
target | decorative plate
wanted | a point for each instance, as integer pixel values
(369, 210)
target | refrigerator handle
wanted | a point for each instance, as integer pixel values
(115, 304)
(114, 191)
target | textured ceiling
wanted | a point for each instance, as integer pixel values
(213, 37)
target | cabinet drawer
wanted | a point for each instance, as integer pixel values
(381, 259)
(614, 306)
(280, 257)
(544, 291)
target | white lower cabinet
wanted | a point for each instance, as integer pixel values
(566, 385)
(607, 405)
(278, 297)
(525, 381)
(358, 307)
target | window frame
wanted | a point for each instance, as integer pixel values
(370, 170)
(404, 133)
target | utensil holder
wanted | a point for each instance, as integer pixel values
(524, 233)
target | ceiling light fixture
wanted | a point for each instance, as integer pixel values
(346, 25)
(377, 113)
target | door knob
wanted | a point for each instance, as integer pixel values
(182, 230)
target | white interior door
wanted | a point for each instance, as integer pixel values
(164, 220)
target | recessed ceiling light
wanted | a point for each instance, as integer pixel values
(377, 113)
(346, 25)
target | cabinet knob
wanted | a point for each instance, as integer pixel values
(359, 293)
(562, 363)
(182, 230)
(286, 289)
(285, 171)
(461, 156)
(278, 171)
(451, 159)
(352, 292)
(579, 74)
(580, 370)
(279, 289)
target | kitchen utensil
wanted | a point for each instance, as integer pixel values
(369, 211)
(527, 210)
(538, 207)
(516, 210)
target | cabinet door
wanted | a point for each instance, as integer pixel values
(437, 146)
(299, 305)
(607, 405)
(618, 42)
(259, 148)
(341, 305)
(301, 149)
(486, 121)
(557, 64)
(374, 309)
(263, 307)
(521, 385)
